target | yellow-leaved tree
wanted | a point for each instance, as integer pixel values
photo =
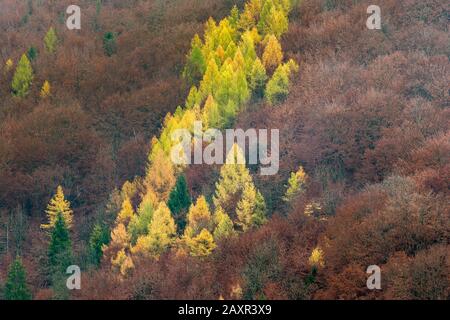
(45, 90)
(58, 205)
(273, 55)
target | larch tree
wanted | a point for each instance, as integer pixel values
(58, 205)
(160, 176)
(224, 225)
(126, 213)
(23, 77)
(258, 78)
(45, 90)
(8, 65)
(179, 202)
(273, 54)
(161, 235)
(16, 287)
(202, 244)
(277, 88)
(140, 222)
(198, 218)
(296, 184)
(211, 114)
(195, 65)
(251, 209)
(51, 40)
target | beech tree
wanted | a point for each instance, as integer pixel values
(16, 287)
(23, 77)
(58, 205)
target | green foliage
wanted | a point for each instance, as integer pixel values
(109, 43)
(51, 40)
(99, 237)
(60, 248)
(23, 77)
(296, 184)
(258, 78)
(277, 88)
(32, 53)
(179, 202)
(140, 222)
(16, 287)
(224, 225)
(196, 64)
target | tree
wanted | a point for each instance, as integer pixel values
(211, 114)
(296, 184)
(22, 78)
(8, 65)
(273, 54)
(51, 40)
(16, 283)
(126, 213)
(199, 217)
(98, 239)
(179, 202)
(58, 205)
(32, 53)
(224, 225)
(162, 232)
(277, 88)
(251, 209)
(109, 43)
(60, 247)
(258, 78)
(195, 65)
(45, 90)
(233, 176)
(160, 176)
(140, 222)
(201, 245)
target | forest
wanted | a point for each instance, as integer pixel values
(87, 118)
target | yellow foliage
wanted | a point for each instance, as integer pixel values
(126, 213)
(8, 65)
(45, 90)
(202, 245)
(58, 204)
(199, 217)
(316, 259)
(273, 55)
(122, 263)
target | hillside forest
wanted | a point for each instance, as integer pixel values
(87, 179)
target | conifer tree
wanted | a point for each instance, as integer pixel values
(273, 54)
(277, 88)
(22, 78)
(179, 202)
(58, 204)
(258, 78)
(8, 65)
(199, 217)
(140, 222)
(211, 114)
(32, 53)
(162, 231)
(224, 225)
(233, 177)
(201, 245)
(59, 250)
(160, 176)
(296, 184)
(98, 239)
(251, 209)
(45, 90)
(16, 287)
(109, 43)
(196, 63)
(51, 40)
(126, 213)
